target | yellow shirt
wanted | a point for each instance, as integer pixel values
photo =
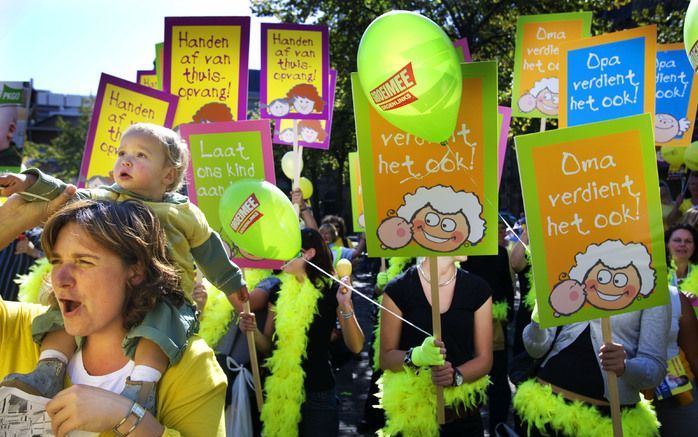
(191, 394)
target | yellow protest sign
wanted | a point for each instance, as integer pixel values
(205, 65)
(118, 105)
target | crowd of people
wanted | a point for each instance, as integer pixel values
(150, 350)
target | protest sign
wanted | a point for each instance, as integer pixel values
(441, 198)
(294, 74)
(503, 124)
(147, 78)
(676, 97)
(15, 98)
(311, 133)
(608, 76)
(221, 154)
(357, 200)
(462, 44)
(118, 105)
(591, 195)
(536, 62)
(159, 53)
(205, 65)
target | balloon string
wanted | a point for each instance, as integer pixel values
(366, 297)
(509, 227)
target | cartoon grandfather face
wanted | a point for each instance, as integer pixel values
(666, 127)
(439, 232)
(612, 289)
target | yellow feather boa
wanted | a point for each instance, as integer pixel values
(30, 285)
(409, 401)
(295, 309)
(538, 406)
(500, 310)
(218, 311)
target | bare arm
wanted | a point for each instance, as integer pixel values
(351, 331)
(262, 340)
(258, 300)
(688, 333)
(391, 358)
(305, 211)
(17, 216)
(481, 363)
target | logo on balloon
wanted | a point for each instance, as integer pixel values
(246, 215)
(393, 93)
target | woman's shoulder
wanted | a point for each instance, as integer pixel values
(477, 290)
(402, 284)
(199, 356)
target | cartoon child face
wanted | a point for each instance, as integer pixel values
(286, 135)
(439, 232)
(394, 232)
(303, 105)
(611, 289)
(309, 135)
(547, 102)
(666, 127)
(279, 107)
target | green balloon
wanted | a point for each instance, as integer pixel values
(260, 219)
(411, 75)
(690, 156)
(690, 33)
(673, 155)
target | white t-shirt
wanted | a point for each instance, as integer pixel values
(113, 382)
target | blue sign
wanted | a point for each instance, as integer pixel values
(606, 81)
(674, 81)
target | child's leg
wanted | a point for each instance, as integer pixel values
(154, 345)
(57, 348)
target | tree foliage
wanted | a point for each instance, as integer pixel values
(489, 26)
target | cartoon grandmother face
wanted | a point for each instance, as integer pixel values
(439, 232)
(547, 102)
(611, 289)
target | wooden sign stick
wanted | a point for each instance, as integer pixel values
(542, 124)
(436, 327)
(612, 382)
(252, 350)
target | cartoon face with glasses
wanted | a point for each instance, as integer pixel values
(436, 218)
(609, 276)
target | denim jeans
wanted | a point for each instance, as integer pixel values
(319, 415)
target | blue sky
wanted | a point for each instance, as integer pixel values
(64, 45)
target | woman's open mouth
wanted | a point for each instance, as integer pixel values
(70, 307)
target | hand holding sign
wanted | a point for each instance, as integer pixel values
(260, 219)
(410, 72)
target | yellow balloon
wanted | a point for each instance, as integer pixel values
(288, 164)
(673, 155)
(306, 187)
(690, 157)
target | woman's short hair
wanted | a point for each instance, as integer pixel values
(133, 232)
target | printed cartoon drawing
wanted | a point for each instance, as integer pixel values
(667, 127)
(311, 131)
(609, 276)
(436, 218)
(213, 112)
(279, 107)
(286, 135)
(544, 96)
(99, 180)
(305, 99)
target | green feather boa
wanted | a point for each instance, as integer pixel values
(409, 401)
(500, 310)
(538, 406)
(30, 285)
(690, 284)
(295, 310)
